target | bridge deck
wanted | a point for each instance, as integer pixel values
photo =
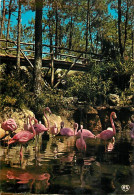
(58, 64)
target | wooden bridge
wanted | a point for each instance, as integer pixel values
(61, 61)
(56, 59)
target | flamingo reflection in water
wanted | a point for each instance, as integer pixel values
(25, 177)
(110, 145)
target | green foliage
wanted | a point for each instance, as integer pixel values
(87, 87)
(14, 91)
(51, 98)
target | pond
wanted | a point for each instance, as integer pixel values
(55, 166)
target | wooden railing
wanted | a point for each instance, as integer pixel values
(45, 54)
(52, 59)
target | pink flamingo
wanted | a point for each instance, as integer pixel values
(131, 126)
(39, 128)
(27, 126)
(54, 129)
(80, 143)
(110, 132)
(9, 125)
(48, 110)
(23, 136)
(86, 134)
(67, 131)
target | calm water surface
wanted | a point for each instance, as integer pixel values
(57, 167)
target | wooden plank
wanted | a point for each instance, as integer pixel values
(58, 47)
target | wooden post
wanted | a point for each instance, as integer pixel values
(52, 69)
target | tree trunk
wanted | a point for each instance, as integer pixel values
(87, 26)
(50, 35)
(119, 28)
(71, 33)
(3, 19)
(90, 31)
(132, 44)
(126, 24)
(56, 30)
(18, 37)
(38, 47)
(9, 17)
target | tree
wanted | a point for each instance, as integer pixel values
(9, 17)
(18, 37)
(3, 18)
(38, 47)
(119, 28)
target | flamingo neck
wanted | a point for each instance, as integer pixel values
(81, 136)
(75, 131)
(112, 123)
(34, 133)
(46, 119)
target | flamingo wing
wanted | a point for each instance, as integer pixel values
(22, 137)
(39, 128)
(66, 131)
(106, 134)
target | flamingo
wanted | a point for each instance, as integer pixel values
(9, 125)
(27, 126)
(110, 132)
(80, 143)
(48, 110)
(23, 136)
(54, 129)
(39, 128)
(86, 134)
(67, 131)
(131, 126)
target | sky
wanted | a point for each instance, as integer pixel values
(28, 15)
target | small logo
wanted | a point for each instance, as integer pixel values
(125, 188)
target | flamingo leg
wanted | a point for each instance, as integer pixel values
(21, 154)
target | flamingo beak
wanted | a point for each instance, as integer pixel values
(115, 116)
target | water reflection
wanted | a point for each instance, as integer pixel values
(58, 167)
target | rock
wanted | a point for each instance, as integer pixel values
(94, 123)
(91, 110)
(113, 99)
(2, 133)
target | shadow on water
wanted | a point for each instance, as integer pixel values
(57, 167)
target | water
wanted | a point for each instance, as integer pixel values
(57, 167)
